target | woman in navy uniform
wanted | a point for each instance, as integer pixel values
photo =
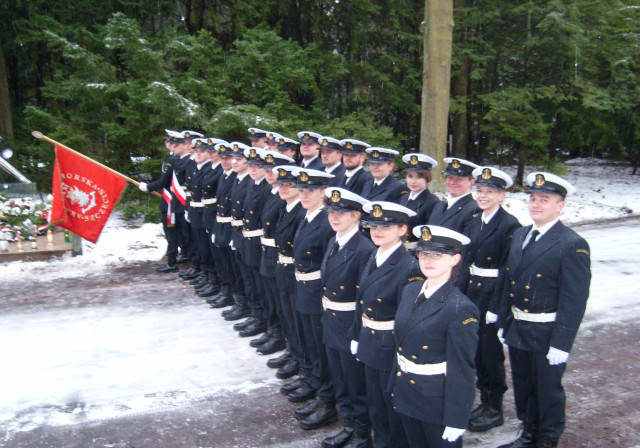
(386, 272)
(419, 199)
(383, 186)
(484, 258)
(436, 336)
(342, 266)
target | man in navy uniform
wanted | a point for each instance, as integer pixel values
(457, 211)
(383, 186)
(310, 150)
(353, 158)
(545, 292)
(258, 138)
(287, 147)
(331, 158)
(490, 233)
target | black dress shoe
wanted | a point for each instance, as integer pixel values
(340, 439)
(279, 361)
(200, 280)
(209, 292)
(324, 415)
(307, 409)
(239, 313)
(244, 324)
(256, 343)
(490, 417)
(233, 309)
(288, 370)
(528, 438)
(286, 389)
(273, 344)
(302, 393)
(167, 268)
(361, 437)
(190, 275)
(220, 302)
(254, 329)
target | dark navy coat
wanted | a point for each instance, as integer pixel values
(198, 185)
(457, 217)
(181, 167)
(378, 297)
(443, 328)
(355, 183)
(257, 195)
(316, 164)
(238, 194)
(309, 245)
(340, 275)
(422, 205)
(338, 172)
(553, 276)
(164, 181)
(210, 191)
(222, 231)
(274, 207)
(390, 190)
(286, 229)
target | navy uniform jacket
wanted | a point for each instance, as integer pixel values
(338, 172)
(316, 164)
(180, 168)
(340, 274)
(196, 214)
(443, 328)
(309, 245)
(222, 231)
(552, 277)
(488, 249)
(457, 217)
(285, 231)
(356, 182)
(274, 207)
(257, 195)
(164, 181)
(238, 193)
(378, 297)
(209, 191)
(422, 205)
(391, 189)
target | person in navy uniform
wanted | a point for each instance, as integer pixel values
(383, 186)
(385, 274)
(164, 183)
(310, 150)
(272, 140)
(545, 292)
(436, 335)
(273, 339)
(457, 211)
(309, 246)
(341, 268)
(331, 156)
(258, 138)
(419, 199)
(484, 258)
(287, 146)
(353, 158)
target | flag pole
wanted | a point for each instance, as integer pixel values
(40, 135)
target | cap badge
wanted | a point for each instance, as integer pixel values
(455, 163)
(306, 135)
(426, 234)
(222, 148)
(269, 158)
(282, 141)
(486, 173)
(325, 142)
(187, 134)
(270, 136)
(252, 152)
(335, 196)
(209, 142)
(377, 211)
(235, 147)
(414, 160)
(253, 131)
(198, 142)
(375, 154)
(304, 177)
(349, 145)
(539, 180)
(282, 172)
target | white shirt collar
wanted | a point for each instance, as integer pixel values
(545, 228)
(259, 181)
(413, 195)
(186, 154)
(228, 172)
(214, 166)
(344, 239)
(329, 169)
(313, 214)
(428, 292)
(201, 164)
(305, 163)
(381, 257)
(487, 219)
(350, 173)
(274, 190)
(242, 176)
(378, 182)
(292, 205)
(451, 201)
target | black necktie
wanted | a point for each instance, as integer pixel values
(303, 225)
(421, 298)
(374, 266)
(334, 249)
(374, 187)
(532, 240)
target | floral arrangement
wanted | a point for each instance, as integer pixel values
(22, 218)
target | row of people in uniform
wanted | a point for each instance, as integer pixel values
(393, 341)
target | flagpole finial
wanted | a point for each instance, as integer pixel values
(37, 134)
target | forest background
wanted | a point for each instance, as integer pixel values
(532, 82)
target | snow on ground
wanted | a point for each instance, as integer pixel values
(60, 367)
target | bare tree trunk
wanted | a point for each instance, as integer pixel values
(460, 126)
(6, 118)
(438, 37)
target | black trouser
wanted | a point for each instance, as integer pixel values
(291, 324)
(315, 350)
(490, 373)
(349, 384)
(222, 258)
(201, 240)
(538, 391)
(171, 234)
(387, 428)
(243, 278)
(426, 435)
(184, 239)
(272, 310)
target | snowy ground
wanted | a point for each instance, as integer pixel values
(107, 353)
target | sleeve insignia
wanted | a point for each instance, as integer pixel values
(415, 279)
(468, 321)
(584, 251)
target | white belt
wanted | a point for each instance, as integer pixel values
(271, 242)
(337, 306)
(408, 366)
(188, 193)
(252, 233)
(377, 325)
(308, 276)
(236, 222)
(411, 245)
(223, 219)
(209, 201)
(533, 317)
(284, 260)
(197, 204)
(480, 272)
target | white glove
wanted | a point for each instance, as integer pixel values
(452, 434)
(354, 347)
(213, 238)
(556, 356)
(500, 332)
(143, 187)
(186, 216)
(491, 318)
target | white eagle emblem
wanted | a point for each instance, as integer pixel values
(86, 201)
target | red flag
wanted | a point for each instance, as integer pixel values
(84, 195)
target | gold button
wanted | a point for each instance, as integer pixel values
(251, 211)
(527, 287)
(308, 253)
(470, 281)
(414, 357)
(526, 300)
(479, 284)
(324, 287)
(268, 223)
(333, 314)
(334, 293)
(399, 349)
(526, 311)
(424, 347)
(538, 275)
(373, 332)
(341, 287)
(369, 309)
(357, 286)
(361, 302)
(399, 374)
(511, 294)
(412, 381)
(488, 258)
(513, 282)
(508, 269)
(379, 300)
(237, 202)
